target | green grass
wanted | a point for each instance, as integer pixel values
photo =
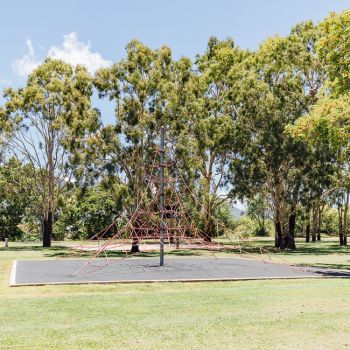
(289, 314)
(324, 254)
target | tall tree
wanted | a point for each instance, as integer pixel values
(47, 118)
(279, 85)
(141, 87)
(326, 126)
(209, 132)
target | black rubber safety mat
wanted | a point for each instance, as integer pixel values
(40, 272)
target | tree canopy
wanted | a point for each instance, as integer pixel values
(269, 126)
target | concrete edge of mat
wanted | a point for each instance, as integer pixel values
(175, 280)
(13, 273)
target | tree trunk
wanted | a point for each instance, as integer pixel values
(307, 232)
(207, 229)
(345, 227)
(135, 238)
(135, 234)
(51, 192)
(307, 235)
(320, 209)
(278, 236)
(135, 245)
(314, 224)
(207, 216)
(208, 224)
(289, 240)
(340, 226)
(208, 205)
(47, 229)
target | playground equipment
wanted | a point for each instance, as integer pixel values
(161, 221)
(160, 215)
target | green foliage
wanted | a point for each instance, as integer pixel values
(223, 221)
(245, 227)
(328, 122)
(45, 122)
(207, 138)
(86, 213)
(271, 126)
(259, 211)
(142, 88)
(333, 48)
(330, 221)
(14, 199)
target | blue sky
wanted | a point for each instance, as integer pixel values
(96, 32)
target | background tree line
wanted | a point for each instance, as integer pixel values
(270, 127)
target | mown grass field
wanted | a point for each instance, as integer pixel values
(288, 314)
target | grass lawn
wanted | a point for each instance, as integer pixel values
(324, 254)
(288, 314)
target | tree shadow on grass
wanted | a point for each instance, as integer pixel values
(345, 267)
(325, 248)
(32, 248)
(73, 253)
(312, 248)
(256, 247)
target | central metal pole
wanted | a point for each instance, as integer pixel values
(161, 176)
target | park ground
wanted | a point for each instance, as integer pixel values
(275, 314)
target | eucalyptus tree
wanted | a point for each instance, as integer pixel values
(278, 85)
(210, 127)
(143, 89)
(46, 119)
(333, 49)
(327, 124)
(267, 156)
(15, 199)
(306, 60)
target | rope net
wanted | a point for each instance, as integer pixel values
(138, 234)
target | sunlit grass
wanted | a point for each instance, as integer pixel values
(300, 314)
(327, 253)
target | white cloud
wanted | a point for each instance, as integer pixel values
(71, 51)
(27, 63)
(76, 52)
